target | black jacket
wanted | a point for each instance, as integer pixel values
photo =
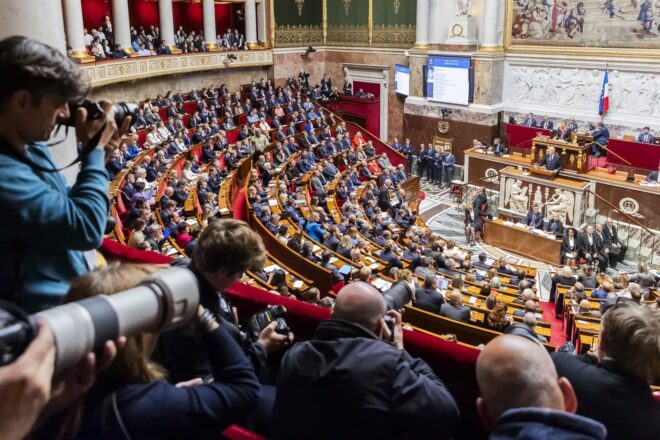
(346, 383)
(429, 300)
(607, 394)
(181, 352)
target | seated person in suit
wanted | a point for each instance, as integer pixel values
(654, 177)
(454, 308)
(481, 262)
(570, 246)
(645, 136)
(427, 297)
(551, 160)
(529, 121)
(590, 248)
(498, 147)
(563, 132)
(534, 219)
(547, 124)
(602, 290)
(601, 137)
(530, 307)
(555, 225)
(584, 309)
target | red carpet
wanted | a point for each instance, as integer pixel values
(557, 336)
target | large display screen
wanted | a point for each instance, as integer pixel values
(449, 79)
(402, 79)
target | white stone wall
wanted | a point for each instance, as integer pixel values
(571, 88)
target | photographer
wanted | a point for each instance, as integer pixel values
(225, 249)
(51, 231)
(356, 370)
(131, 399)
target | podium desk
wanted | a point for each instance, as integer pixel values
(573, 156)
(522, 242)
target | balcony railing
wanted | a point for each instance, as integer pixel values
(136, 68)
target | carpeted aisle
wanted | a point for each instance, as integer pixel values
(557, 337)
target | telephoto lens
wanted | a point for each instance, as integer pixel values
(162, 302)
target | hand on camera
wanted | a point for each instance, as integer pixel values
(77, 380)
(25, 386)
(397, 337)
(272, 341)
(111, 135)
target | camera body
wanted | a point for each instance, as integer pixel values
(95, 111)
(261, 320)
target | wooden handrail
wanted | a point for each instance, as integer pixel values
(630, 218)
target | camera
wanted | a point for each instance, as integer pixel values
(391, 323)
(161, 302)
(95, 111)
(398, 296)
(261, 320)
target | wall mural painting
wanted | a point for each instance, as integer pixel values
(586, 23)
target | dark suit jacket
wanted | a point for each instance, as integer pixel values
(584, 245)
(607, 394)
(459, 313)
(610, 236)
(529, 220)
(429, 300)
(384, 199)
(553, 164)
(557, 225)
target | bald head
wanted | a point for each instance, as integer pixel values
(515, 372)
(360, 303)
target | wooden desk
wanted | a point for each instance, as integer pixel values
(522, 242)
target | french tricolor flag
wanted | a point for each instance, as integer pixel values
(604, 95)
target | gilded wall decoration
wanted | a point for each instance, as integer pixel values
(347, 6)
(584, 23)
(299, 5)
(298, 35)
(394, 35)
(349, 35)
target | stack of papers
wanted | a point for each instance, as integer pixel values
(297, 284)
(381, 284)
(269, 269)
(473, 300)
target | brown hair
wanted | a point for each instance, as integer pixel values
(229, 245)
(497, 317)
(132, 364)
(630, 335)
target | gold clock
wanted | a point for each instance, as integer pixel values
(443, 127)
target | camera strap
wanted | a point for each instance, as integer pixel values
(8, 149)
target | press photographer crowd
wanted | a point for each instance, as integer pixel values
(91, 349)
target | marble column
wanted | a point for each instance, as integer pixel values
(262, 23)
(489, 37)
(166, 22)
(75, 35)
(251, 23)
(422, 24)
(43, 21)
(208, 8)
(121, 24)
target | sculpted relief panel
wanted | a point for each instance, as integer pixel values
(563, 88)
